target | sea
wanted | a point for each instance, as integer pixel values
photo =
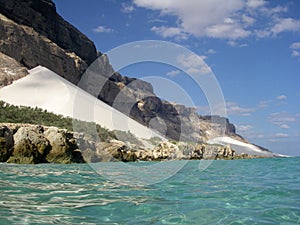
(254, 191)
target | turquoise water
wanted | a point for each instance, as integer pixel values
(258, 191)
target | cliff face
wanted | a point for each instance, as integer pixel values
(32, 144)
(136, 99)
(10, 70)
(34, 34)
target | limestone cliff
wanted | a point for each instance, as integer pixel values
(136, 99)
(10, 70)
(34, 34)
(33, 144)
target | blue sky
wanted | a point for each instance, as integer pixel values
(251, 46)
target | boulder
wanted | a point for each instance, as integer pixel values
(64, 148)
(30, 146)
(226, 153)
(6, 143)
(115, 150)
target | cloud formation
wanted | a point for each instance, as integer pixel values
(173, 73)
(127, 8)
(295, 47)
(282, 119)
(194, 64)
(102, 29)
(230, 19)
(281, 97)
(234, 109)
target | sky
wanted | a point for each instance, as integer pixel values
(251, 46)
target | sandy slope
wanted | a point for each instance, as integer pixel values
(241, 147)
(45, 89)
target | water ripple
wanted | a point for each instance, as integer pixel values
(262, 191)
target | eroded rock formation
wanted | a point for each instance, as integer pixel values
(31, 144)
(34, 34)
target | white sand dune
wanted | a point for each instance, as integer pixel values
(241, 147)
(45, 89)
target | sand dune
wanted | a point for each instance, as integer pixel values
(241, 147)
(45, 89)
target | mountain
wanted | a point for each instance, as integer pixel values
(33, 34)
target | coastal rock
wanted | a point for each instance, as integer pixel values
(115, 150)
(31, 49)
(30, 146)
(6, 143)
(167, 150)
(41, 15)
(64, 148)
(10, 70)
(225, 153)
(34, 34)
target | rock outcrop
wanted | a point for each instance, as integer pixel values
(6, 143)
(10, 70)
(136, 99)
(34, 34)
(41, 15)
(64, 147)
(32, 144)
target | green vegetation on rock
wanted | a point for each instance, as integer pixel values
(22, 114)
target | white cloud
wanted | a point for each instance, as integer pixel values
(281, 25)
(295, 49)
(126, 8)
(281, 135)
(234, 109)
(264, 104)
(248, 20)
(102, 29)
(277, 9)
(243, 128)
(230, 19)
(200, 18)
(281, 97)
(194, 64)
(211, 51)
(295, 45)
(249, 132)
(285, 24)
(232, 43)
(169, 32)
(262, 33)
(295, 53)
(255, 3)
(285, 126)
(281, 118)
(227, 31)
(173, 73)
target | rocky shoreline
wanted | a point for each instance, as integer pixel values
(33, 144)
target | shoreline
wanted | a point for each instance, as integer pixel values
(34, 144)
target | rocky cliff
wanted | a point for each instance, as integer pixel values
(32, 33)
(136, 99)
(32, 144)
